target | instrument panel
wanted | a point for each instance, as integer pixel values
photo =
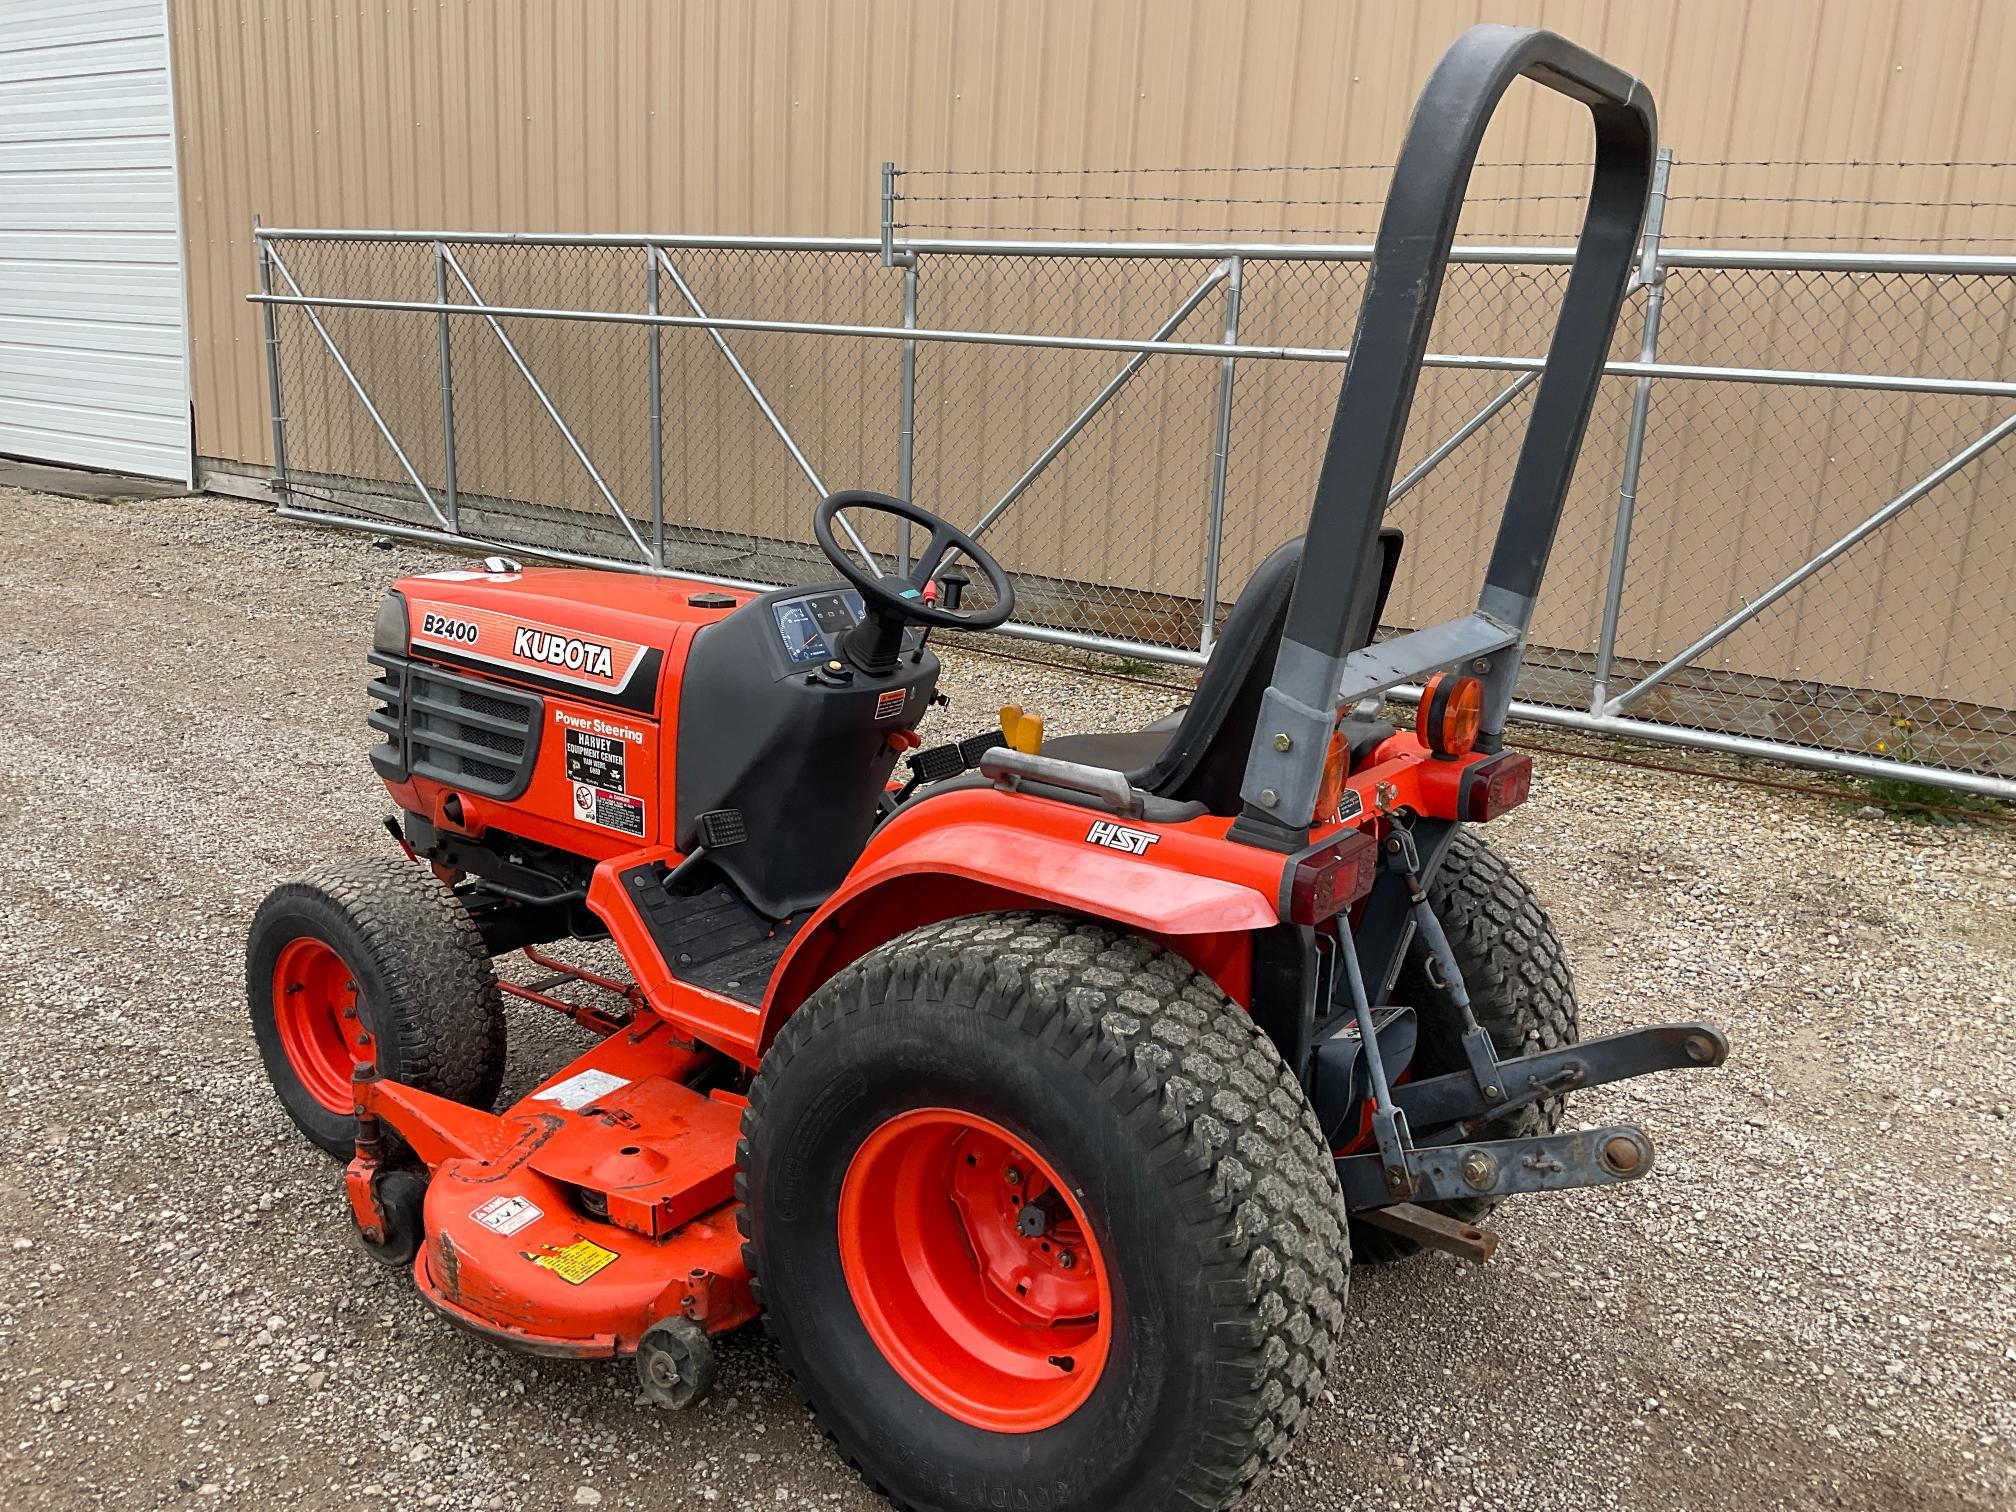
(810, 626)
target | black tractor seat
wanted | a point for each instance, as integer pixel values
(1198, 753)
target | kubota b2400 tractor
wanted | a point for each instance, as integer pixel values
(1039, 1102)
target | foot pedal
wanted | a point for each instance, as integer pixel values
(941, 762)
(973, 747)
(936, 764)
(721, 828)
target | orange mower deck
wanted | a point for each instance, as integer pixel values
(598, 1205)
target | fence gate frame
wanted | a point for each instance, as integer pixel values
(1607, 713)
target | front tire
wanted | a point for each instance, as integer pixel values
(370, 961)
(903, 1127)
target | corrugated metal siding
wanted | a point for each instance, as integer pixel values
(92, 348)
(773, 116)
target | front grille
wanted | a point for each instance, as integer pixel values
(483, 702)
(474, 771)
(454, 729)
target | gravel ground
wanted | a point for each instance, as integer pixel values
(1810, 1304)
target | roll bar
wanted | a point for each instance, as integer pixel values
(1314, 673)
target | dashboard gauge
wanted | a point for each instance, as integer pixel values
(800, 632)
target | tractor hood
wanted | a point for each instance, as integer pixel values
(598, 635)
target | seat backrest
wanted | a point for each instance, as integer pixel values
(1205, 760)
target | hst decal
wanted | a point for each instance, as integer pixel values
(1119, 837)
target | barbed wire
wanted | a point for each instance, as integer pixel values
(1462, 232)
(1214, 207)
(1800, 199)
(1206, 199)
(1387, 167)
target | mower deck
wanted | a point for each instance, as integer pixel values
(598, 1205)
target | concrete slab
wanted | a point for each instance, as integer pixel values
(77, 483)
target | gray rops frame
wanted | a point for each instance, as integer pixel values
(1609, 708)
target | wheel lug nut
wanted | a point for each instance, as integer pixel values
(1066, 1259)
(1012, 1176)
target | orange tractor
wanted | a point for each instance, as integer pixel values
(1038, 1101)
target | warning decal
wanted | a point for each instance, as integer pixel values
(890, 704)
(507, 1215)
(598, 805)
(576, 1262)
(596, 760)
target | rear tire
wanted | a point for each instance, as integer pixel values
(1169, 1147)
(374, 948)
(1520, 990)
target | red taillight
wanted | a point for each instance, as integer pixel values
(1496, 785)
(1451, 709)
(1331, 878)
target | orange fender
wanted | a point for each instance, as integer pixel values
(984, 851)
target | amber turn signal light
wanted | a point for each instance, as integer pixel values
(1336, 767)
(1451, 709)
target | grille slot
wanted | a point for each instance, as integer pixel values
(480, 738)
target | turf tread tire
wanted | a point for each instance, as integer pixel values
(426, 990)
(1216, 1111)
(1521, 992)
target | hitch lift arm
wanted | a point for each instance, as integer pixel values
(1450, 1165)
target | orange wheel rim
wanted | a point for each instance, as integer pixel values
(315, 1012)
(974, 1271)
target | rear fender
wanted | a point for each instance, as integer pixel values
(981, 851)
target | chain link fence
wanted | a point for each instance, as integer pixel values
(1790, 534)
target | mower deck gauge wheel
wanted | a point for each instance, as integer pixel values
(675, 1364)
(402, 1198)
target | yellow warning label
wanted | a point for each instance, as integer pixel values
(576, 1262)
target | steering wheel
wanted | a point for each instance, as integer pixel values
(901, 599)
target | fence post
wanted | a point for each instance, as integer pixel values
(447, 390)
(280, 485)
(655, 362)
(906, 440)
(888, 215)
(1214, 538)
(1653, 277)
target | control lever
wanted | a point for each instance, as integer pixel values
(955, 585)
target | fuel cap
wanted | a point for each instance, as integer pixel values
(711, 600)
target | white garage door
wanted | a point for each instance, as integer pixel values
(92, 352)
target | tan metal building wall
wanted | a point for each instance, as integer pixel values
(774, 116)
(1831, 123)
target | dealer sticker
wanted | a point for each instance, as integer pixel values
(507, 1215)
(576, 1262)
(594, 804)
(596, 760)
